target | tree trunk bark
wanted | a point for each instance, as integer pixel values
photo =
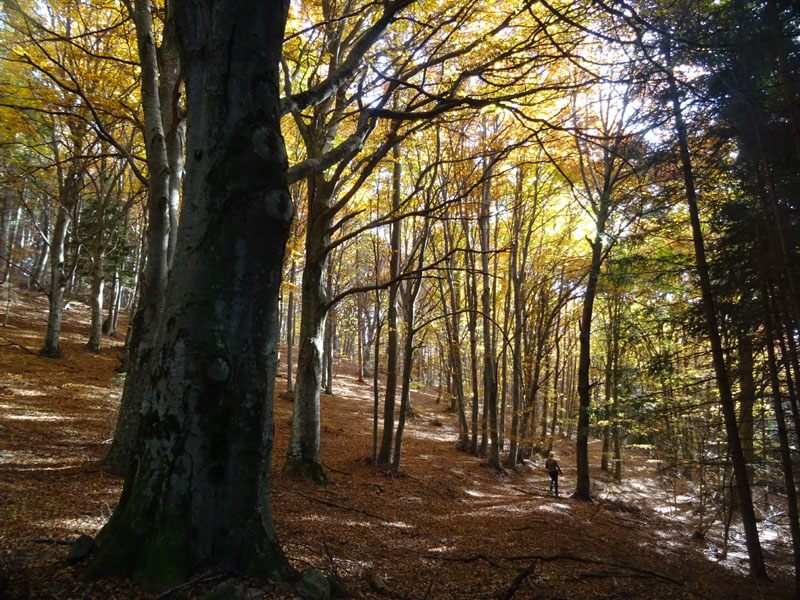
(6, 210)
(98, 288)
(149, 311)
(290, 330)
(489, 357)
(583, 487)
(99, 267)
(198, 495)
(360, 345)
(747, 397)
(114, 304)
(454, 342)
(405, 388)
(58, 282)
(35, 281)
(387, 437)
(376, 376)
(173, 122)
(412, 288)
(471, 292)
(777, 403)
(303, 453)
(69, 188)
(329, 338)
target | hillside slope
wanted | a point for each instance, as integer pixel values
(447, 527)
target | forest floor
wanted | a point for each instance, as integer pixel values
(447, 527)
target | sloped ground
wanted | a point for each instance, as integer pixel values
(447, 527)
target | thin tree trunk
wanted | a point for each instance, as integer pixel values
(6, 210)
(376, 377)
(387, 437)
(780, 418)
(454, 342)
(360, 346)
(35, 281)
(583, 487)
(757, 567)
(747, 396)
(99, 266)
(412, 288)
(489, 355)
(69, 187)
(290, 329)
(303, 452)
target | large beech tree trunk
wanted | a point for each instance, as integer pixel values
(198, 497)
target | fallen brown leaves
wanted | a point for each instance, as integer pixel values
(448, 527)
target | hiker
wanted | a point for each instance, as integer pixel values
(551, 464)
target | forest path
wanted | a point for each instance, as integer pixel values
(447, 527)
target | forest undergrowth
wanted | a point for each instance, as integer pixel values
(446, 526)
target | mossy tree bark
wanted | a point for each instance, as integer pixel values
(198, 495)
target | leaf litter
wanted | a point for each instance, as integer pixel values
(447, 526)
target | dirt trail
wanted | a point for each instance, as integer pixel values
(447, 527)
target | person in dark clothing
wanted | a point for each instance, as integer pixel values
(551, 464)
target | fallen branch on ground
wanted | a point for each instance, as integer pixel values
(542, 521)
(18, 345)
(205, 578)
(466, 559)
(594, 561)
(338, 471)
(522, 576)
(342, 507)
(554, 557)
(378, 586)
